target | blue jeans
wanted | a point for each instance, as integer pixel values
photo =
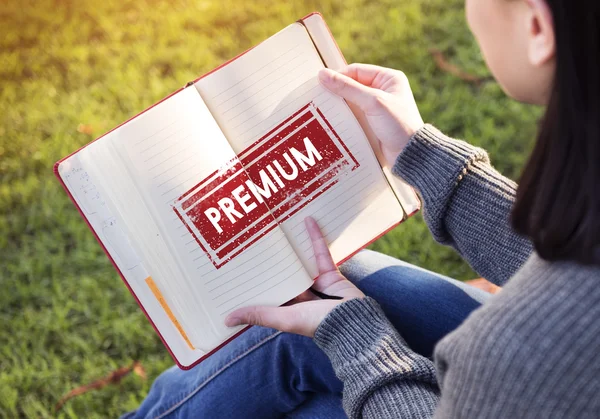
(269, 374)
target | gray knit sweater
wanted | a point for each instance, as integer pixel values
(531, 351)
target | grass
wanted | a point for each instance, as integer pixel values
(70, 70)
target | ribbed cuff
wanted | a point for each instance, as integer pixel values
(351, 328)
(434, 164)
(367, 353)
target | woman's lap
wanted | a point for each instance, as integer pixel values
(265, 373)
(422, 305)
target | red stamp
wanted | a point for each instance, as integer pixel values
(269, 182)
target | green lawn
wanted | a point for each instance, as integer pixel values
(72, 69)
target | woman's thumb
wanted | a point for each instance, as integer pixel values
(346, 87)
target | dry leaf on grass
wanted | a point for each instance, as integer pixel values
(485, 285)
(86, 129)
(444, 65)
(112, 378)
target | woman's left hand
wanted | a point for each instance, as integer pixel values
(304, 313)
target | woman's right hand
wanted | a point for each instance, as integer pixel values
(384, 95)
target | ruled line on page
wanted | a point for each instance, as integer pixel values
(161, 140)
(352, 214)
(203, 255)
(306, 249)
(264, 249)
(272, 85)
(258, 110)
(264, 76)
(342, 131)
(307, 94)
(257, 285)
(177, 186)
(333, 195)
(330, 117)
(156, 132)
(269, 84)
(169, 146)
(180, 173)
(170, 157)
(241, 269)
(275, 89)
(256, 71)
(327, 224)
(239, 276)
(262, 292)
(298, 230)
(175, 165)
(206, 262)
(340, 222)
(291, 105)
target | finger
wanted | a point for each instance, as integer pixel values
(257, 315)
(347, 88)
(323, 257)
(370, 75)
(302, 318)
(381, 78)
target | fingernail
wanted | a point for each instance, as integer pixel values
(232, 321)
(326, 76)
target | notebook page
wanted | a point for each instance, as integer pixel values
(104, 163)
(256, 92)
(173, 153)
(88, 192)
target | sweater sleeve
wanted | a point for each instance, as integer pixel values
(383, 377)
(466, 202)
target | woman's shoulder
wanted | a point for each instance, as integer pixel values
(534, 344)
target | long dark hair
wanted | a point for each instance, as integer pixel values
(558, 199)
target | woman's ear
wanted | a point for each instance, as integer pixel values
(542, 43)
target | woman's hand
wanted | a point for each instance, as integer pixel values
(384, 96)
(304, 314)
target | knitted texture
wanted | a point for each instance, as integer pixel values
(350, 332)
(532, 351)
(466, 202)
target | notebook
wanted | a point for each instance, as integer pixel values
(199, 201)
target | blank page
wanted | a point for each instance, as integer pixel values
(274, 81)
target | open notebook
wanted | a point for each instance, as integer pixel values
(199, 201)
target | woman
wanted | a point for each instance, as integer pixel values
(533, 350)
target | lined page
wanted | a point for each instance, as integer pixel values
(254, 93)
(167, 151)
(84, 176)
